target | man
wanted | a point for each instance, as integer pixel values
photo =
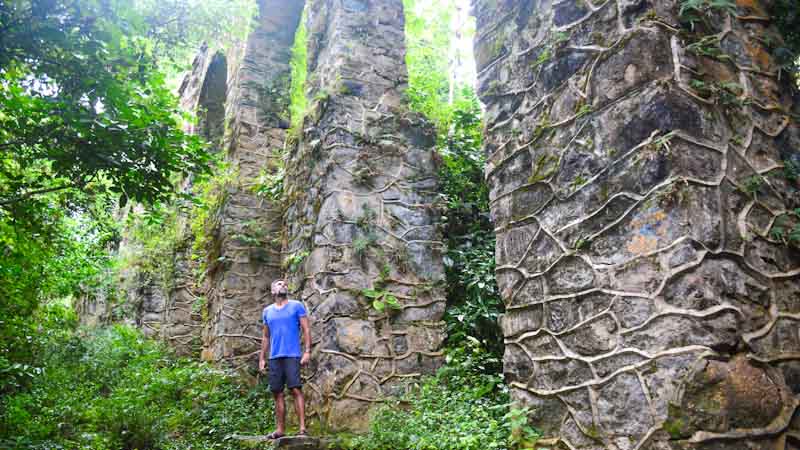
(283, 320)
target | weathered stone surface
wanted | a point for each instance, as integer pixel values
(245, 256)
(634, 214)
(360, 187)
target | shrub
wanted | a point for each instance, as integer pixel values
(116, 389)
(462, 407)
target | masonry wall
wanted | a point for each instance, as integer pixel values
(245, 256)
(356, 231)
(363, 248)
(636, 176)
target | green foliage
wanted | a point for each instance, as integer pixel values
(363, 243)
(723, 93)
(429, 39)
(708, 46)
(24, 339)
(176, 28)
(269, 185)
(474, 303)
(292, 262)
(583, 110)
(473, 299)
(786, 16)
(753, 184)
(546, 165)
(381, 299)
(543, 57)
(791, 170)
(694, 11)
(153, 236)
(523, 435)
(47, 256)
(83, 107)
(786, 228)
(299, 65)
(88, 122)
(115, 389)
(461, 407)
(208, 198)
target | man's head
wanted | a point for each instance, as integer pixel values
(279, 288)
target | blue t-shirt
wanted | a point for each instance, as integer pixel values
(284, 329)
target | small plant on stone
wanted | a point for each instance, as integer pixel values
(791, 170)
(543, 57)
(662, 142)
(252, 233)
(694, 11)
(729, 94)
(708, 46)
(381, 299)
(367, 217)
(583, 110)
(787, 228)
(322, 95)
(582, 243)
(293, 261)
(269, 185)
(541, 127)
(753, 184)
(545, 166)
(579, 181)
(561, 37)
(362, 244)
(198, 304)
(364, 176)
(401, 258)
(650, 14)
(702, 88)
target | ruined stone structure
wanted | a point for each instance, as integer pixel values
(636, 168)
(245, 255)
(169, 305)
(358, 226)
(362, 235)
(242, 100)
(636, 176)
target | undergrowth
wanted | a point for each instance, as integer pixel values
(462, 407)
(115, 389)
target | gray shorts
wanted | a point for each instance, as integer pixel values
(284, 372)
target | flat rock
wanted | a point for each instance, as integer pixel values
(286, 442)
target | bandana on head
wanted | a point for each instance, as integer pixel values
(274, 287)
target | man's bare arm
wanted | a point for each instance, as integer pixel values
(264, 347)
(306, 329)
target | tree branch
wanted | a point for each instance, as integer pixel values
(37, 192)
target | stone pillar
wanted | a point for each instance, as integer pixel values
(636, 168)
(245, 254)
(364, 252)
(204, 91)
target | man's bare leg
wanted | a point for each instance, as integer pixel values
(280, 412)
(300, 407)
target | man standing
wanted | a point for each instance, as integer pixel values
(283, 320)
